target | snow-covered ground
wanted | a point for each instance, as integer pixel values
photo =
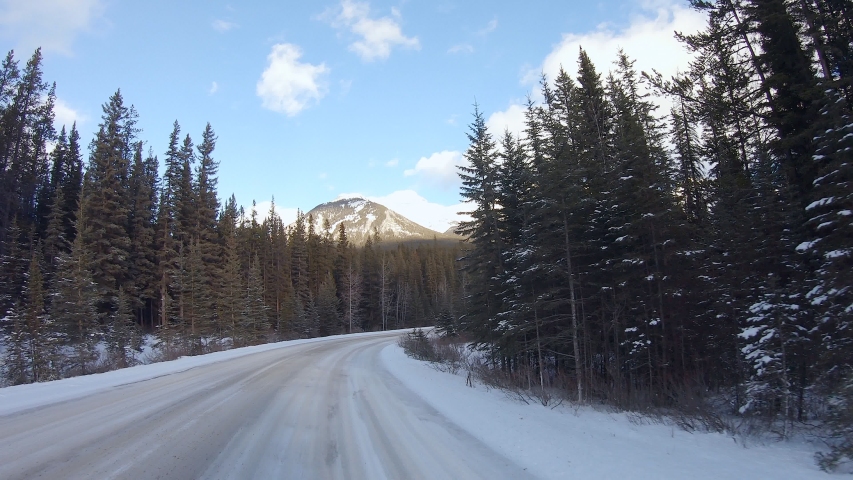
(333, 409)
(24, 397)
(563, 443)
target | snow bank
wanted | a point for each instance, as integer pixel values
(565, 443)
(24, 397)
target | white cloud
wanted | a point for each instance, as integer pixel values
(376, 36)
(323, 176)
(50, 24)
(65, 115)
(413, 206)
(214, 87)
(461, 48)
(491, 27)
(392, 163)
(648, 39)
(223, 26)
(440, 168)
(511, 119)
(288, 85)
(287, 215)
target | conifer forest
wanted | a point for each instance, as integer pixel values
(646, 242)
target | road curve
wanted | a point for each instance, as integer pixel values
(317, 410)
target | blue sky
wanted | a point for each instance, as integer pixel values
(312, 100)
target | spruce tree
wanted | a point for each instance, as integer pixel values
(230, 288)
(483, 260)
(40, 335)
(122, 334)
(107, 202)
(13, 267)
(26, 130)
(73, 309)
(142, 231)
(208, 241)
(327, 308)
(255, 313)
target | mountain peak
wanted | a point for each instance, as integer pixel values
(361, 217)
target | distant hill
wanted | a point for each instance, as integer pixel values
(452, 230)
(360, 217)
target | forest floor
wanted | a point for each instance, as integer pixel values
(565, 442)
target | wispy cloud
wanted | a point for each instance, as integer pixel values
(491, 27)
(375, 37)
(392, 163)
(288, 85)
(65, 115)
(214, 87)
(50, 24)
(461, 48)
(223, 26)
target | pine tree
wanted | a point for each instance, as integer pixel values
(73, 309)
(40, 337)
(255, 313)
(829, 248)
(208, 243)
(483, 261)
(185, 198)
(52, 183)
(122, 334)
(13, 267)
(72, 184)
(167, 235)
(107, 203)
(351, 294)
(15, 362)
(142, 231)
(27, 128)
(230, 289)
(327, 308)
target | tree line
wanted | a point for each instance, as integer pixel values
(96, 254)
(647, 258)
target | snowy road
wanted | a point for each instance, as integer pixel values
(326, 409)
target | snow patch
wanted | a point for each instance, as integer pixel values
(566, 442)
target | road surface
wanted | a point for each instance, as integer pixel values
(318, 410)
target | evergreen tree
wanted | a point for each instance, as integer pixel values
(27, 127)
(13, 267)
(15, 362)
(208, 243)
(327, 308)
(122, 334)
(73, 309)
(42, 340)
(142, 231)
(107, 203)
(483, 260)
(230, 289)
(255, 313)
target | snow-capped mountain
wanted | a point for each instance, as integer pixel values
(360, 217)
